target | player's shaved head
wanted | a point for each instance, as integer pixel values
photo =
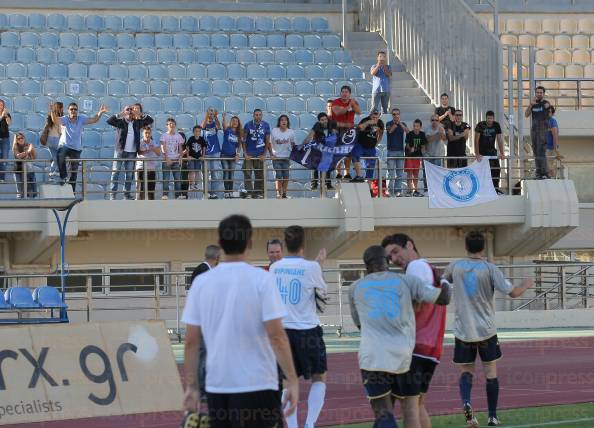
(375, 259)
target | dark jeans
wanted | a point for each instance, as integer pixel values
(31, 183)
(228, 167)
(68, 153)
(169, 170)
(4, 152)
(539, 148)
(457, 163)
(123, 161)
(254, 166)
(316, 178)
(150, 184)
(495, 172)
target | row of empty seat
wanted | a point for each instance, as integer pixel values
(156, 23)
(558, 56)
(549, 41)
(182, 40)
(546, 25)
(15, 298)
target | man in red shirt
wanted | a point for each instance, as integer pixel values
(343, 113)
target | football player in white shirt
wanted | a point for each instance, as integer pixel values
(298, 280)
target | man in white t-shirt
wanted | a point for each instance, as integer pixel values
(238, 311)
(298, 281)
(171, 145)
(436, 141)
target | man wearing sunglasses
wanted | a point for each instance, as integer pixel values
(130, 123)
(70, 144)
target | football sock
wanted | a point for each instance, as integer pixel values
(465, 387)
(291, 420)
(387, 420)
(315, 402)
(492, 396)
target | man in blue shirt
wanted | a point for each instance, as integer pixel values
(380, 93)
(70, 144)
(396, 131)
(256, 142)
(553, 154)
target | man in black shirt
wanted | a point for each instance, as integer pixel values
(416, 144)
(485, 134)
(5, 121)
(457, 135)
(445, 113)
(318, 133)
(539, 110)
(370, 132)
(194, 150)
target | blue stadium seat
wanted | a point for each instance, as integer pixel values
(159, 87)
(307, 120)
(2, 71)
(238, 41)
(137, 72)
(127, 56)
(147, 56)
(186, 56)
(114, 106)
(334, 71)
(257, 41)
(181, 87)
(36, 71)
(77, 71)
(282, 24)
(151, 105)
(301, 24)
(221, 87)
(295, 72)
(31, 87)
(145, 40)
(86, 56)
(264, 23)
(55, 87)
(159, 123)
(49, 297)
(242, 87)
(87, 40)
(106, 56)
(126, 40)
(75, 22)
(252, 103)
(216, 71)
(282, 87)
(188, 23)
(9, 87)
(205, 56)
(316, 104)
(117, 88)
(185, 122)
(41, 103)
(92, 139)
(314, 72)
(331, 41)
(132, 23)
(353, 72)
(265, 56)
(312, 41)
(363, 87)
(95, 87)
(276, 72)
(163, 40)
(48, 40)
(56, 21)
(245, 118)
(172, 104)
(18, 121)
(151, 23)
(294, 41)
(113, 23)
(196, 71)
(226, 56)
(176, 71)
(236, 71)
(7, 54)
(100, 174)
(245, 24)
(18, 21)
(29, 39)
(167, 56)
(138, 87)
(342, 56)
(26, 55)
(304, 87)
(319, 24)
(15, 70)
(158, 72)
(324, 88)
(37, 21)
(208, 23)
(263, 87)
(201, 40)
(284, 56)
(170, 24)
(23, 103)
(323, 56)
(182, 40)
(219, 40)
(215, 102)
(192, 104)
(300, 135)
(46, 56)
(10, 39)
(304, 56)
(275, 40)
(118, 72)
(226, 23)
(234, 105)
(20, 298)
(275, 105)
(3, 20)
(95, 23)
(256, 71)
(246, 56)
(57, 71)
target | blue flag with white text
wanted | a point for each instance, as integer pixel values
(324, 155)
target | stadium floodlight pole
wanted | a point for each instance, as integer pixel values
(344, 10)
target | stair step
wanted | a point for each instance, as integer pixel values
(363, 35)
(406, 92)
(409, 100)
(403, 83)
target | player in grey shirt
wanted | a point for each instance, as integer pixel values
(382, 308)
(475, 282)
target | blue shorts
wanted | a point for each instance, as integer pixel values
(361, 152)
(488, 350)
(281, 168)
(194, 165)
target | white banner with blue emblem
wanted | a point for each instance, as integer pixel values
(459, 187)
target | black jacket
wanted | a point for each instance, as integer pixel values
(200, 269)
(122, 125)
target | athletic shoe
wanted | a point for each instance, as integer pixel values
(339, 176)
(213, 196)
(357, 179)
(493, 422)
(314, 185)
(164, 197)
(471, 421)
(347, 177)
(417, 194)
(329, 187)
(499, 192)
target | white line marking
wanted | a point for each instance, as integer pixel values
(553, 423)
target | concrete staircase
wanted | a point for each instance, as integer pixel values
(406, 94)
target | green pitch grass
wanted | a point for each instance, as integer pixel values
(567, 416)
